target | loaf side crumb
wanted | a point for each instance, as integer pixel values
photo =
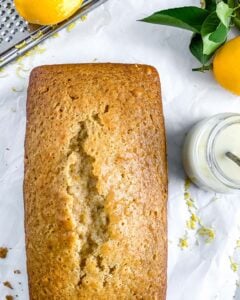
(8, 284)
(3, 252)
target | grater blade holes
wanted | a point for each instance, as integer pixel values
(12, 27)
(15, 17)
(13, 31)
(8, 39)
(4, 32)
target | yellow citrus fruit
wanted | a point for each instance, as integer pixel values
(226, 66)
(47, 12)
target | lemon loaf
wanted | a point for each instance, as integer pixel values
(95, 186)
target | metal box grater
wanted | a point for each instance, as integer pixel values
(17, 36)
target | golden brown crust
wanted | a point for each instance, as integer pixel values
(95, 183)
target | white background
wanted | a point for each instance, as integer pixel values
(111, 34)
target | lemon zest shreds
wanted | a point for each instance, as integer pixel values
(191, 225)
(21, 45)
(19, 73)
(187, 184)
(71, 26)
(55, 35)
(23, 68)
(38, 35)
(234, 266)
(2, 74)
(192, 222)
(190, 203)
(15, 90)
(238, 244)
(186, 195)
(208, 233)
(183, 243)
(194, 218)
(84, 18)
(35, 50)
(20, 59)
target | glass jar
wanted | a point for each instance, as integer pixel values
(206, 153)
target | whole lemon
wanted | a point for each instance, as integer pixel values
(226, 66)
(46, 12)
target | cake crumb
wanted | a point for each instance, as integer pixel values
(17, 272)
(9, 297)
(3, 252)
(8, 284)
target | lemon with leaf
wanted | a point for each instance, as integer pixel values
(210, 25)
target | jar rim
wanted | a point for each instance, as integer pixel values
(224, 123)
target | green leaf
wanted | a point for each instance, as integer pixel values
(236, 22)
(210, 5)
(236, 15)
(209, 47)
(231, 3)
(196, 48)
(224, 13)
(213, 34)
(189, 18)
(220, 34)
(210, 24)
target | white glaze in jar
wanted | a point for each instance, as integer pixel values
(204, 153)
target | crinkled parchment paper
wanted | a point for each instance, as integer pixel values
(204, 228)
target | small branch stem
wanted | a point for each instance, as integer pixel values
(203, 68)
